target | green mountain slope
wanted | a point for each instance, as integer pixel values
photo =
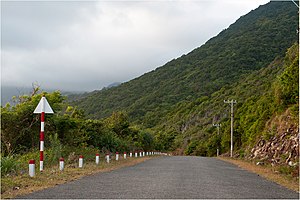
(249, 44)
(260, 96)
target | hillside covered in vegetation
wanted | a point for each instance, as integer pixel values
(250, 44)
(260, 96)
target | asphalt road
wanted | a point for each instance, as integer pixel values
(170, 178)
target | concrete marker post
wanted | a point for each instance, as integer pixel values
(107, 157)
(117, 156)
(125, 155)
(97, 158)
(143, 153)
(80, 161)
(135, 154)
(130, 154)
(61, 164)
(31, 168)
(140, 153)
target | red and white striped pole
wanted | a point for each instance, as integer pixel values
(43, 107)
(32, 168)
(42, 136)
(61, 164)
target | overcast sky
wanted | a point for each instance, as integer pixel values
(84, 46)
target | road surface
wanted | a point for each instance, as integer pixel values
(172, 178)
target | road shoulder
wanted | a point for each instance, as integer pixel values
(12, 187)
(265, 172)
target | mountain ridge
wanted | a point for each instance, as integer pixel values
(249, 44)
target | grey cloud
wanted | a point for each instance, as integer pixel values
(88, 45)
(38, 24)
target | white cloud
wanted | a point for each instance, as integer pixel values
(88, 45)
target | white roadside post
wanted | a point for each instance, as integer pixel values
(135, 154)
(61, 164)
(140, 153)
(117, 156)
(107, 158)
(97, 158)
(143, 153)
(43, 107)
(32, 168)
(80, 161)
(130, 154)
(125, 155)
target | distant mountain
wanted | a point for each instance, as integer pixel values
(8, 92)
(248, 45)
(113, 84)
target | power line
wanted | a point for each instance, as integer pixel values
(295, 3)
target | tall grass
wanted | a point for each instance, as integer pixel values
(9, 165)
(54, 152)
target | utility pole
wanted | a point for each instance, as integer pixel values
(218, 127)
(231, 130)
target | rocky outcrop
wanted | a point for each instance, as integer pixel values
(283, 148)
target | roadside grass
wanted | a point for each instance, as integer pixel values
(268, 172)
(18, 185)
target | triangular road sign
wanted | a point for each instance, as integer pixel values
(43, 106)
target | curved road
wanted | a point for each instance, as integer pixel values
(172, 178)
